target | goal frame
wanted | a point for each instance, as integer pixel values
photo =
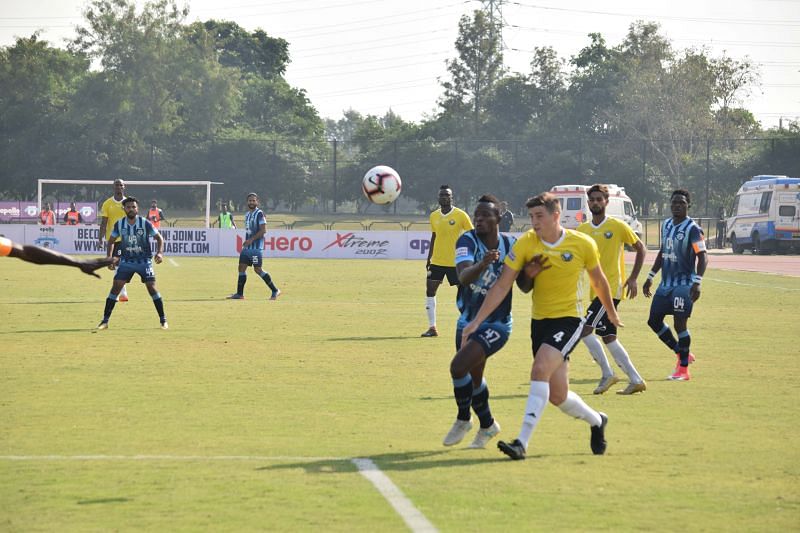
(206, 184)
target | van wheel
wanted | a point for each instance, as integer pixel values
(735, 246)
(758, 248)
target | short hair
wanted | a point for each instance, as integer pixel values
(153, 202)
(130, 200)
(546, 199)
(252, 194)
(490, 199)
(598, 187)
(119, 180)
(683, 192)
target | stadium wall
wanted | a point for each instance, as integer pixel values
(214, 242)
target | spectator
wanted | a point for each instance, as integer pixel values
(155, 215)
(721, 228)
(47, 217)
(225, 218)
(73, 216)
(506, 218)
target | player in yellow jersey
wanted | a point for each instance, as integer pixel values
(110, 212)
(44, 256)
(447, 225)
(611, 235)
(557, 317)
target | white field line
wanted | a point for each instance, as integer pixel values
(413, 518)
(759, 286)
(174, 263)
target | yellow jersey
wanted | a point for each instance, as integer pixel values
(559, 290)
(113, 211)
(610, 236)
(447, 228)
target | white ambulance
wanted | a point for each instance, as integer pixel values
(765, 215)
(575, 206)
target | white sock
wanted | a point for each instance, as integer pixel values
(430, 307)
(124, 291)
(598, 354)
(537, 400)
(624, 361)
(576, 407)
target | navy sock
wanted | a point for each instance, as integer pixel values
(668, 338)
(110, 303)
(480, 404)
(268, 280)
(240, 283)
(684, 341)
(159, 303)
(462, 390)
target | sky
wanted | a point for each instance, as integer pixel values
(376, 55)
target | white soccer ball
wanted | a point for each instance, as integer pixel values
(381, 185)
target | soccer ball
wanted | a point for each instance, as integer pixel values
(381, 185)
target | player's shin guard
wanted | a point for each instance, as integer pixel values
(268, 280)
(576, 407)
(159, 303)
(684, 342)
(480, 404)
(537, 400)
(462, 390)
(240, 283)
(111, 301)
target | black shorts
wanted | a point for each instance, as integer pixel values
(597, 318)
(437, 273)
(562, 334)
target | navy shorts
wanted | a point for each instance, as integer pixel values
(250, 258)
(125, 271)
(597, 318)
(491, 335)
(675, 301)
(562, 334)
(438, 273)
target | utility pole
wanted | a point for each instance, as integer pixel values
(494, 8)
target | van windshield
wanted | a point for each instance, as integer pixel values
(573, 204)
(629, 210)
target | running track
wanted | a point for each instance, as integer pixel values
(785, 265)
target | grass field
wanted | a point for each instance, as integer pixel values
(245, 414)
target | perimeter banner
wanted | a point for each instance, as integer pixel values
(214, 242)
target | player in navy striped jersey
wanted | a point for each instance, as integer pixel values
(134, 257)
(255, 224)
(479, 259)
(682, 260)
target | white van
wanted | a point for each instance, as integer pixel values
(765, 216)
(575, 206)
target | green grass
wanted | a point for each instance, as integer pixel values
(336, 369)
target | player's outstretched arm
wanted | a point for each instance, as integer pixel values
(493, 298)
(44, 256)
(600, 285)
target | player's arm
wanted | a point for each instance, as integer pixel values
(430, 251)
(45, 256)
(469, 271)
(653, 271)
(600, 285)
(494, 297)
(262, 230)
(160, 247)
(630, 283)
(233, 224)
(530, 271)
(102, 234)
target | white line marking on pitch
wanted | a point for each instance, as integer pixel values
(174, 263)
(413, 518)
(754, 285)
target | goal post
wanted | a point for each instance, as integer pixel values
(155, 183)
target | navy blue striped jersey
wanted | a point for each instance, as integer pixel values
(680, 245)
(252, 223)
(469, 247)
(134, 243)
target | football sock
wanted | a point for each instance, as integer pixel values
(240, 283)
(111, 301)
(684, 341)
(480, 404)
(575, 406)
(624, 361)
(268, 280)
(537, 400)
(159, 303)
(462, 390)
(124, 291)
(666, 336)
(430, 307)
(598, 354)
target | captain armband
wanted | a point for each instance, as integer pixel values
(696, 278)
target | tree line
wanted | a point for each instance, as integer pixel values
(141, 94)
